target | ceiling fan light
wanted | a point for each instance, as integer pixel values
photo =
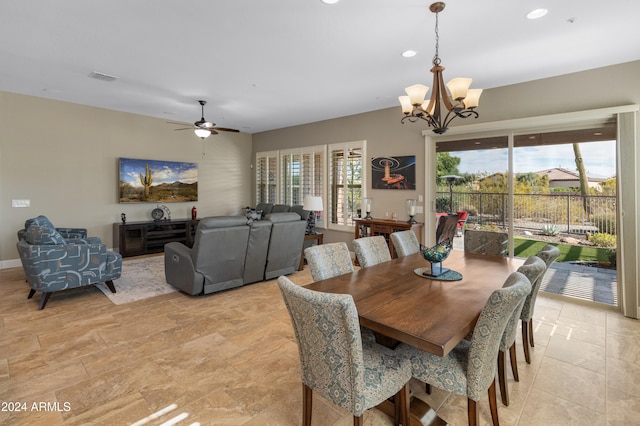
(458, 87)
(202, 133)
(473, 98)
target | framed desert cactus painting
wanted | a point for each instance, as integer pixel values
(157, 181)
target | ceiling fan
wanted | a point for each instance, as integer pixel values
(203, 128)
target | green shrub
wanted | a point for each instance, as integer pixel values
(550, 230)
(601, 239)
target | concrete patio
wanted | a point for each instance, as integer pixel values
(575, 280)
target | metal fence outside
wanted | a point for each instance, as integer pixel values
(568, 212)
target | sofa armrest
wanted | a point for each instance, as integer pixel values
(179, 269)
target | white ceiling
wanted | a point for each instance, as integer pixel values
(268, 64)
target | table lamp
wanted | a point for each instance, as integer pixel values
(313, 204)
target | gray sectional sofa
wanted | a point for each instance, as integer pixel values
(229, 252)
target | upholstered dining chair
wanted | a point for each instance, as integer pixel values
(371, 250)
(328, 260)
(470, 368)
(548, 254)
(336, 363)
(532, 268)
(405, 242)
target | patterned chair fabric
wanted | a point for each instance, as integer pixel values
(470, 368)
(405, 242)
(548, 254)
(532, 268)
(73, 235)
(335, 363)
(371, 250)
(328, 260)
(52, 264)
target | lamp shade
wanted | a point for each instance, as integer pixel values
(312, 203)
(202, 133)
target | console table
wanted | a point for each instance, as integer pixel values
(385, 227)
(138, 238)
(318, 238)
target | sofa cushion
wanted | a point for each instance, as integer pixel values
(222, 222)
(41, 235)
(280, 208)
(282, 217)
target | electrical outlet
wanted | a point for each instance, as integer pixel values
(419, 210)
(20, 203)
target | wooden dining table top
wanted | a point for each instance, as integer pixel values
(427, 313)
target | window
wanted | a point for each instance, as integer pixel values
(266, 177)
(346, 183)
(301, 173)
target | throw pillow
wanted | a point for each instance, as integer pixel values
(253, 214)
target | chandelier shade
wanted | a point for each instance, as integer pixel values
(443, 105)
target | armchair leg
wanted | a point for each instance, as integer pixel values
(31, 293)
(44, 299)
(307, 404)
(110, 285)
(514, 362)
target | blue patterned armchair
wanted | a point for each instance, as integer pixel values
(52, 264)
(77, 235)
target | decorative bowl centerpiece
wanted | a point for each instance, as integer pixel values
(436, 255)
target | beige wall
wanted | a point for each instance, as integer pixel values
(64, 158)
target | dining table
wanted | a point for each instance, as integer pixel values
(400, 304)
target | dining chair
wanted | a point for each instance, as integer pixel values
(470, 368)
(328, 260)
(548, 254)
(336, 363)
(447, 228)
(371, 250)
(405, 242)
(532, 268)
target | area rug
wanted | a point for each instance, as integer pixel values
(141, 279)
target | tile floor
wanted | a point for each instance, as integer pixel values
(231, 359)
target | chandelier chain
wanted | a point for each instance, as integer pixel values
(436, 58)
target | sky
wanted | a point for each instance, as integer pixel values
(599, 159)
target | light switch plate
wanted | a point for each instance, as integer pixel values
(419, 210)
(20, 203)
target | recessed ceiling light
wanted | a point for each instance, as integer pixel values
(409, 53)
(330, 1)
(537, 13)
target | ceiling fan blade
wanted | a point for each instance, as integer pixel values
(224, 129)
(179, 124)
(185, 128)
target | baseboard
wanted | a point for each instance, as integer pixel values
(11, 263)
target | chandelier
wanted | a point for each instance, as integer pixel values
(442, 107)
